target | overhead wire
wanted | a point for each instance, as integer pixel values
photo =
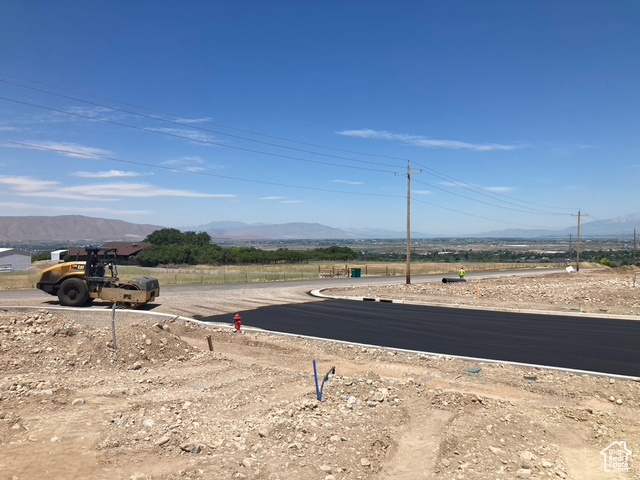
(485, 192)
(476, 216)
(176, 169)
(194, 127)
(183, 123)
(218, 144)
(533, 211)
(208, 121)
(185, 137)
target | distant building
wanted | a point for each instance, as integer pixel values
(14, 260)
(58, 255)
(124, 250)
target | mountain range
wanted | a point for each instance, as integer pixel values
(78, 229)
(614, 227)
(74, 229)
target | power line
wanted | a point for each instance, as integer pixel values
(208, 174)
(484, 192)
(472, 188)
(477, 216)
(184, 137)
(182, 124)
(40, 147)
(537, 212)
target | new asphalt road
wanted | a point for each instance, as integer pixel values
(591, 344)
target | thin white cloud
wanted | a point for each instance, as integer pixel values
(63, 195)
(189, 165)
(15, 205)
(71, 208)
(455, 184)
(179, 162)
(137, 190)
(185, 134)
(347, 182)
(570, 149)
(91, 112)
(192, 121)
(424, 193)
(109, 211)
(488, 189)
(74, 209)
(499, 189)
(281, 200)
(107, 174)
(75, 114)
(420, 141)
(105, 192)
(71, 150)
(26, 184)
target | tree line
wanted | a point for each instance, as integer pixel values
(170, 246)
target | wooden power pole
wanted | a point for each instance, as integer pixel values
(409, 174)
(409, 225)
(578, 246)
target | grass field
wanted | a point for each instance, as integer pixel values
(216, 275)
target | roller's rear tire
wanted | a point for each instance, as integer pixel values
(73, 292)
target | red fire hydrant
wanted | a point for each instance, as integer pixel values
(237, 321)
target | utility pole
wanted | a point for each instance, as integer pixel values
(409, 174)
(635, 247)
(578, 247)
(409, 225)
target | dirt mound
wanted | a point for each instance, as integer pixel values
(51, 341)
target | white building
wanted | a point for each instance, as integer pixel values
(14, 260)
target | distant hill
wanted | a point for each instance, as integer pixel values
(81, 230)
(619, 226)
(233, 230)
(292, 231)
(615, 227)
(73, 229)
(283, 231)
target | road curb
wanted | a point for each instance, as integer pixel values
(320, 294)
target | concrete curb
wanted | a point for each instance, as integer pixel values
(319, 293)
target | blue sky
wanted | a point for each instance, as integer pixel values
(511, 114)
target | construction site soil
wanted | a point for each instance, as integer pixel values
(162, 406)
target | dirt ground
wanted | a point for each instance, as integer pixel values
(164, 407)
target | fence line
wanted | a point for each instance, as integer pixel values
(232, 274)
